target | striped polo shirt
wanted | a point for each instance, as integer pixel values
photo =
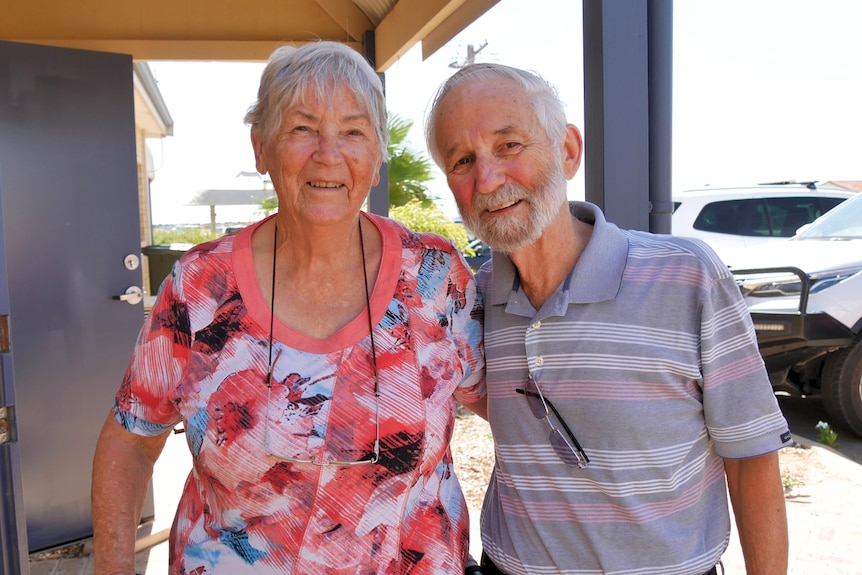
(649, 354)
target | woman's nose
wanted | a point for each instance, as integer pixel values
(328, 148)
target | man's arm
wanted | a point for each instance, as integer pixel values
(122, 468)
(757, 496)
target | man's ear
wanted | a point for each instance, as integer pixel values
(257, 144)
(572, 150)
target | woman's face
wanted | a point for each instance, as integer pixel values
(323, 159)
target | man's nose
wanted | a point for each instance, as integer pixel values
(489, 175)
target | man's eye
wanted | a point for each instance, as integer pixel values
(461, 165)
(511, 145)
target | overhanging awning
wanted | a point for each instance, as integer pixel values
(230, 31)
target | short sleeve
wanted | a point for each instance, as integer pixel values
(143, 403)
(741, 411)
(465, 310)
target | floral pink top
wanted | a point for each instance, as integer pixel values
(202, 358)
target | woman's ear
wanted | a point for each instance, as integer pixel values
(573, 150)
(376, 179)
(257, 144)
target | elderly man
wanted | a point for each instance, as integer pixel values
(625, 390)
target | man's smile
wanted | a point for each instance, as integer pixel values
(504, 206)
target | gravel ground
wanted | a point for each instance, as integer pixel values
(473, 452)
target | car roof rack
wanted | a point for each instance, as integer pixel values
(811, 185)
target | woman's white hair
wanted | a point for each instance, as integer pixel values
(320, 66)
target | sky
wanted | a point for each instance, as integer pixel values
(763, 90)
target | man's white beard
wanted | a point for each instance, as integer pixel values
(510, 233)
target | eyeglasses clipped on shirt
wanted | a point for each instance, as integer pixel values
(570, 452)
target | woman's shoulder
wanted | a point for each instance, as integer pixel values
(206, 261)
(212, 249)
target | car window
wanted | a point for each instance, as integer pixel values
(827, 204)
(719, 217)
(739, 217)
(779, 217)
(755, 219)
(786, 215)
(789, 214)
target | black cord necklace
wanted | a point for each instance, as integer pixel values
(271, 362)
(375, 454)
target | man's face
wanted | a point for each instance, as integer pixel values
(507, 177)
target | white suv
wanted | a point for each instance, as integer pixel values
(730, 219)
(805, 297)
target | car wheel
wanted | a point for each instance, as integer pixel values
(842, 386)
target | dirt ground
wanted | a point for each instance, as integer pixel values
(473, 452)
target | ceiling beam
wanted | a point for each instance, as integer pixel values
(351, 19)
(191, 50)
(406, 24)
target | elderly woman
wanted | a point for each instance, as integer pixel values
(314, 359)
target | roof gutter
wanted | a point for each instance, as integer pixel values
(149, 89)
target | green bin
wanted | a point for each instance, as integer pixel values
(161, 259)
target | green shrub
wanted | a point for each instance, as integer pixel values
(182, 236)
(421, 218)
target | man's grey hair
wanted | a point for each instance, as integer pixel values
(321, 66)
(547, 106)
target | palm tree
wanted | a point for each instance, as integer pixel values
(268, 205)
(408, 169)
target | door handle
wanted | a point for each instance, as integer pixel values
(133, 295)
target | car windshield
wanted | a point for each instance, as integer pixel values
(844, 222)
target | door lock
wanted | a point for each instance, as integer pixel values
(131, 262)
(133, 295)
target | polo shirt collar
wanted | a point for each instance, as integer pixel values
(596, 276)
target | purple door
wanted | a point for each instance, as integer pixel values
(69, 244)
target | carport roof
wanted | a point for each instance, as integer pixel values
(227, 197)
(230, 30)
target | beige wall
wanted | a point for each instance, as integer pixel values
(145, 225)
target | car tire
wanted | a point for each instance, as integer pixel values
(841, 386)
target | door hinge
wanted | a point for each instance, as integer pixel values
(5, 346)
(5, 424)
